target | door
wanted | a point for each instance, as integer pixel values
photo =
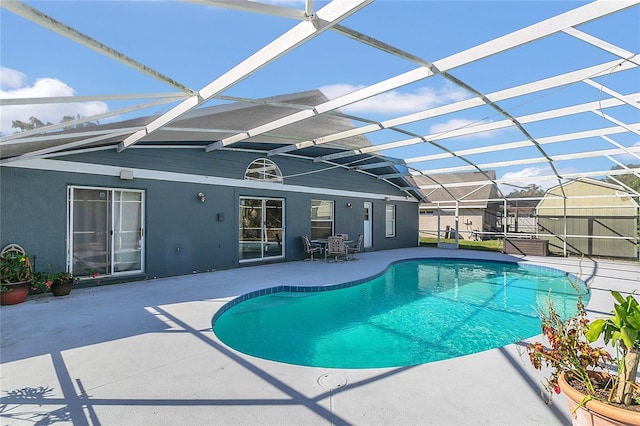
(105, 231)
(260, 228)
(368, 225)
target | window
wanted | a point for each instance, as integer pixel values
(263, 170)
(321, 219)
(260, 228)
(106, 230)
(390, 220)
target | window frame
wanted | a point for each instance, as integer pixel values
(390, 220)
(260, 167)
(316, 220)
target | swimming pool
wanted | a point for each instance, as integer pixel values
(417, 311)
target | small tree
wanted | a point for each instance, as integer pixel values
(631, 180)
(33, 123)
(531, 190)
(623, 329)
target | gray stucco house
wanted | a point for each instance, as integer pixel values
(167, 206)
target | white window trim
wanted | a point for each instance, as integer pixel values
(267, 169)
(332, 219)
(390, 222)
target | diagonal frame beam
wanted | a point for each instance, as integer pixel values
(534, 32)
(333, 13)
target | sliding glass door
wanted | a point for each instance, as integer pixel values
(260, 228)
(106, 231)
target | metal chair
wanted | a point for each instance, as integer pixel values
(311, 249)
(355, 248)
(336, 247)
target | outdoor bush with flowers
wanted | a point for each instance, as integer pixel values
(571, 352)
(14, 268)
(50, 278)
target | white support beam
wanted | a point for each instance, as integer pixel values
(527, 179)
(534, 32)
(484, 127)
(525, 89)
(616, 121)
(96, 117)
(82, 134)
(522, 144)
(90, 98)
(41, 152)
(254, 7)
(624, 166)
(611, 48)
(616, 144)
(613, 93)
(533, 160)
(309, 8)
(58, 27)
(333, 13)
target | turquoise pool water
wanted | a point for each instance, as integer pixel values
(418, 311)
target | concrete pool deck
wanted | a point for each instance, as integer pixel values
(144, 353)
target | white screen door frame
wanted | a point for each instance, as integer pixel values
(105, 231)
(367, 224)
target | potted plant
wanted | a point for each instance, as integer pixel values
(584, 372)
(15, 278)
(59, 283)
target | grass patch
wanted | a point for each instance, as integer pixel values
(489, 245)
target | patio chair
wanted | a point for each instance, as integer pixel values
(336, 247)
(344, 236)
(355, 248)
(311, 249)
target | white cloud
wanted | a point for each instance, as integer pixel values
(395, 102)
(527, 176)
(13, 85)
(11, 79)
(453, 124)
(460, 123)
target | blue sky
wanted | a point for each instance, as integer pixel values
(194, 44)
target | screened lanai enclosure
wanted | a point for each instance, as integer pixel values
(511, 121)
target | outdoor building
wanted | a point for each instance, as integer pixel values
(454, 205)
(168, 207)
(601, 219)
(521, 216)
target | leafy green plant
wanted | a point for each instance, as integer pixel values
(623, 330)
(568, 349)
(14, 268)
(45, 280)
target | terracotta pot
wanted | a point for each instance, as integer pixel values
(62, 288)
(17, 294)
(594, 412)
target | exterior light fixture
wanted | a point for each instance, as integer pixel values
(126, 174)
(349, 205)
(201, 196)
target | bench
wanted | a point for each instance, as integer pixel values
(526, 246)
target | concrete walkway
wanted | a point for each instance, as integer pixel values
(144, 353)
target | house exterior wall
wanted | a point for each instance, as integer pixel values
(591, 235)
(182, 234)
(601, 223)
